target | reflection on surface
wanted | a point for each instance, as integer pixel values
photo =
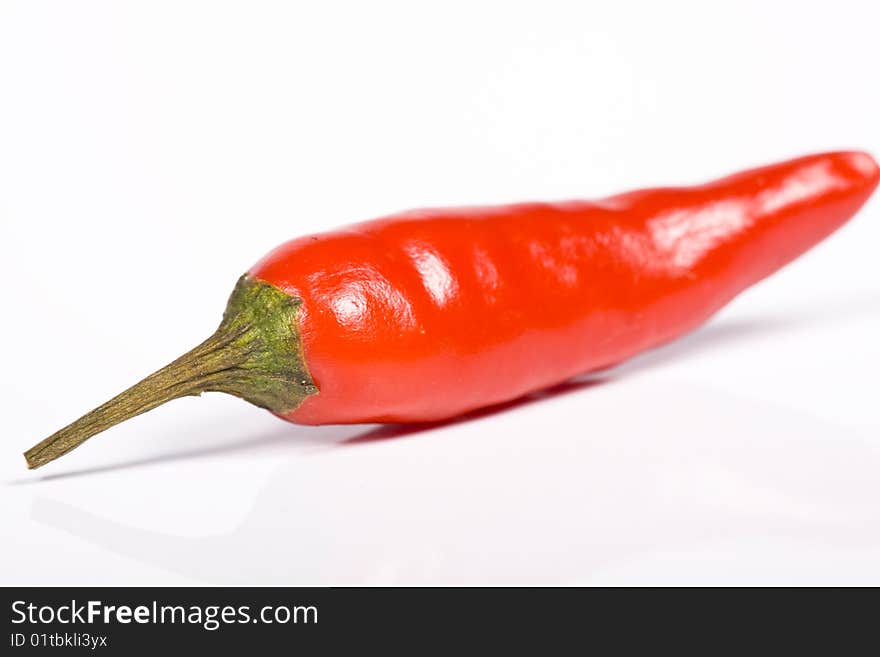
(556, 510)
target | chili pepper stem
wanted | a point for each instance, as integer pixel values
(255, 354)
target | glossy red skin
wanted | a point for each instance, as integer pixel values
(428, 314)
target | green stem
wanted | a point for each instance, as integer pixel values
(255, 354)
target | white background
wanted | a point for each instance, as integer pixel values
(151, 151)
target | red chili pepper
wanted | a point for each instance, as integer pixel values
(429, 314)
